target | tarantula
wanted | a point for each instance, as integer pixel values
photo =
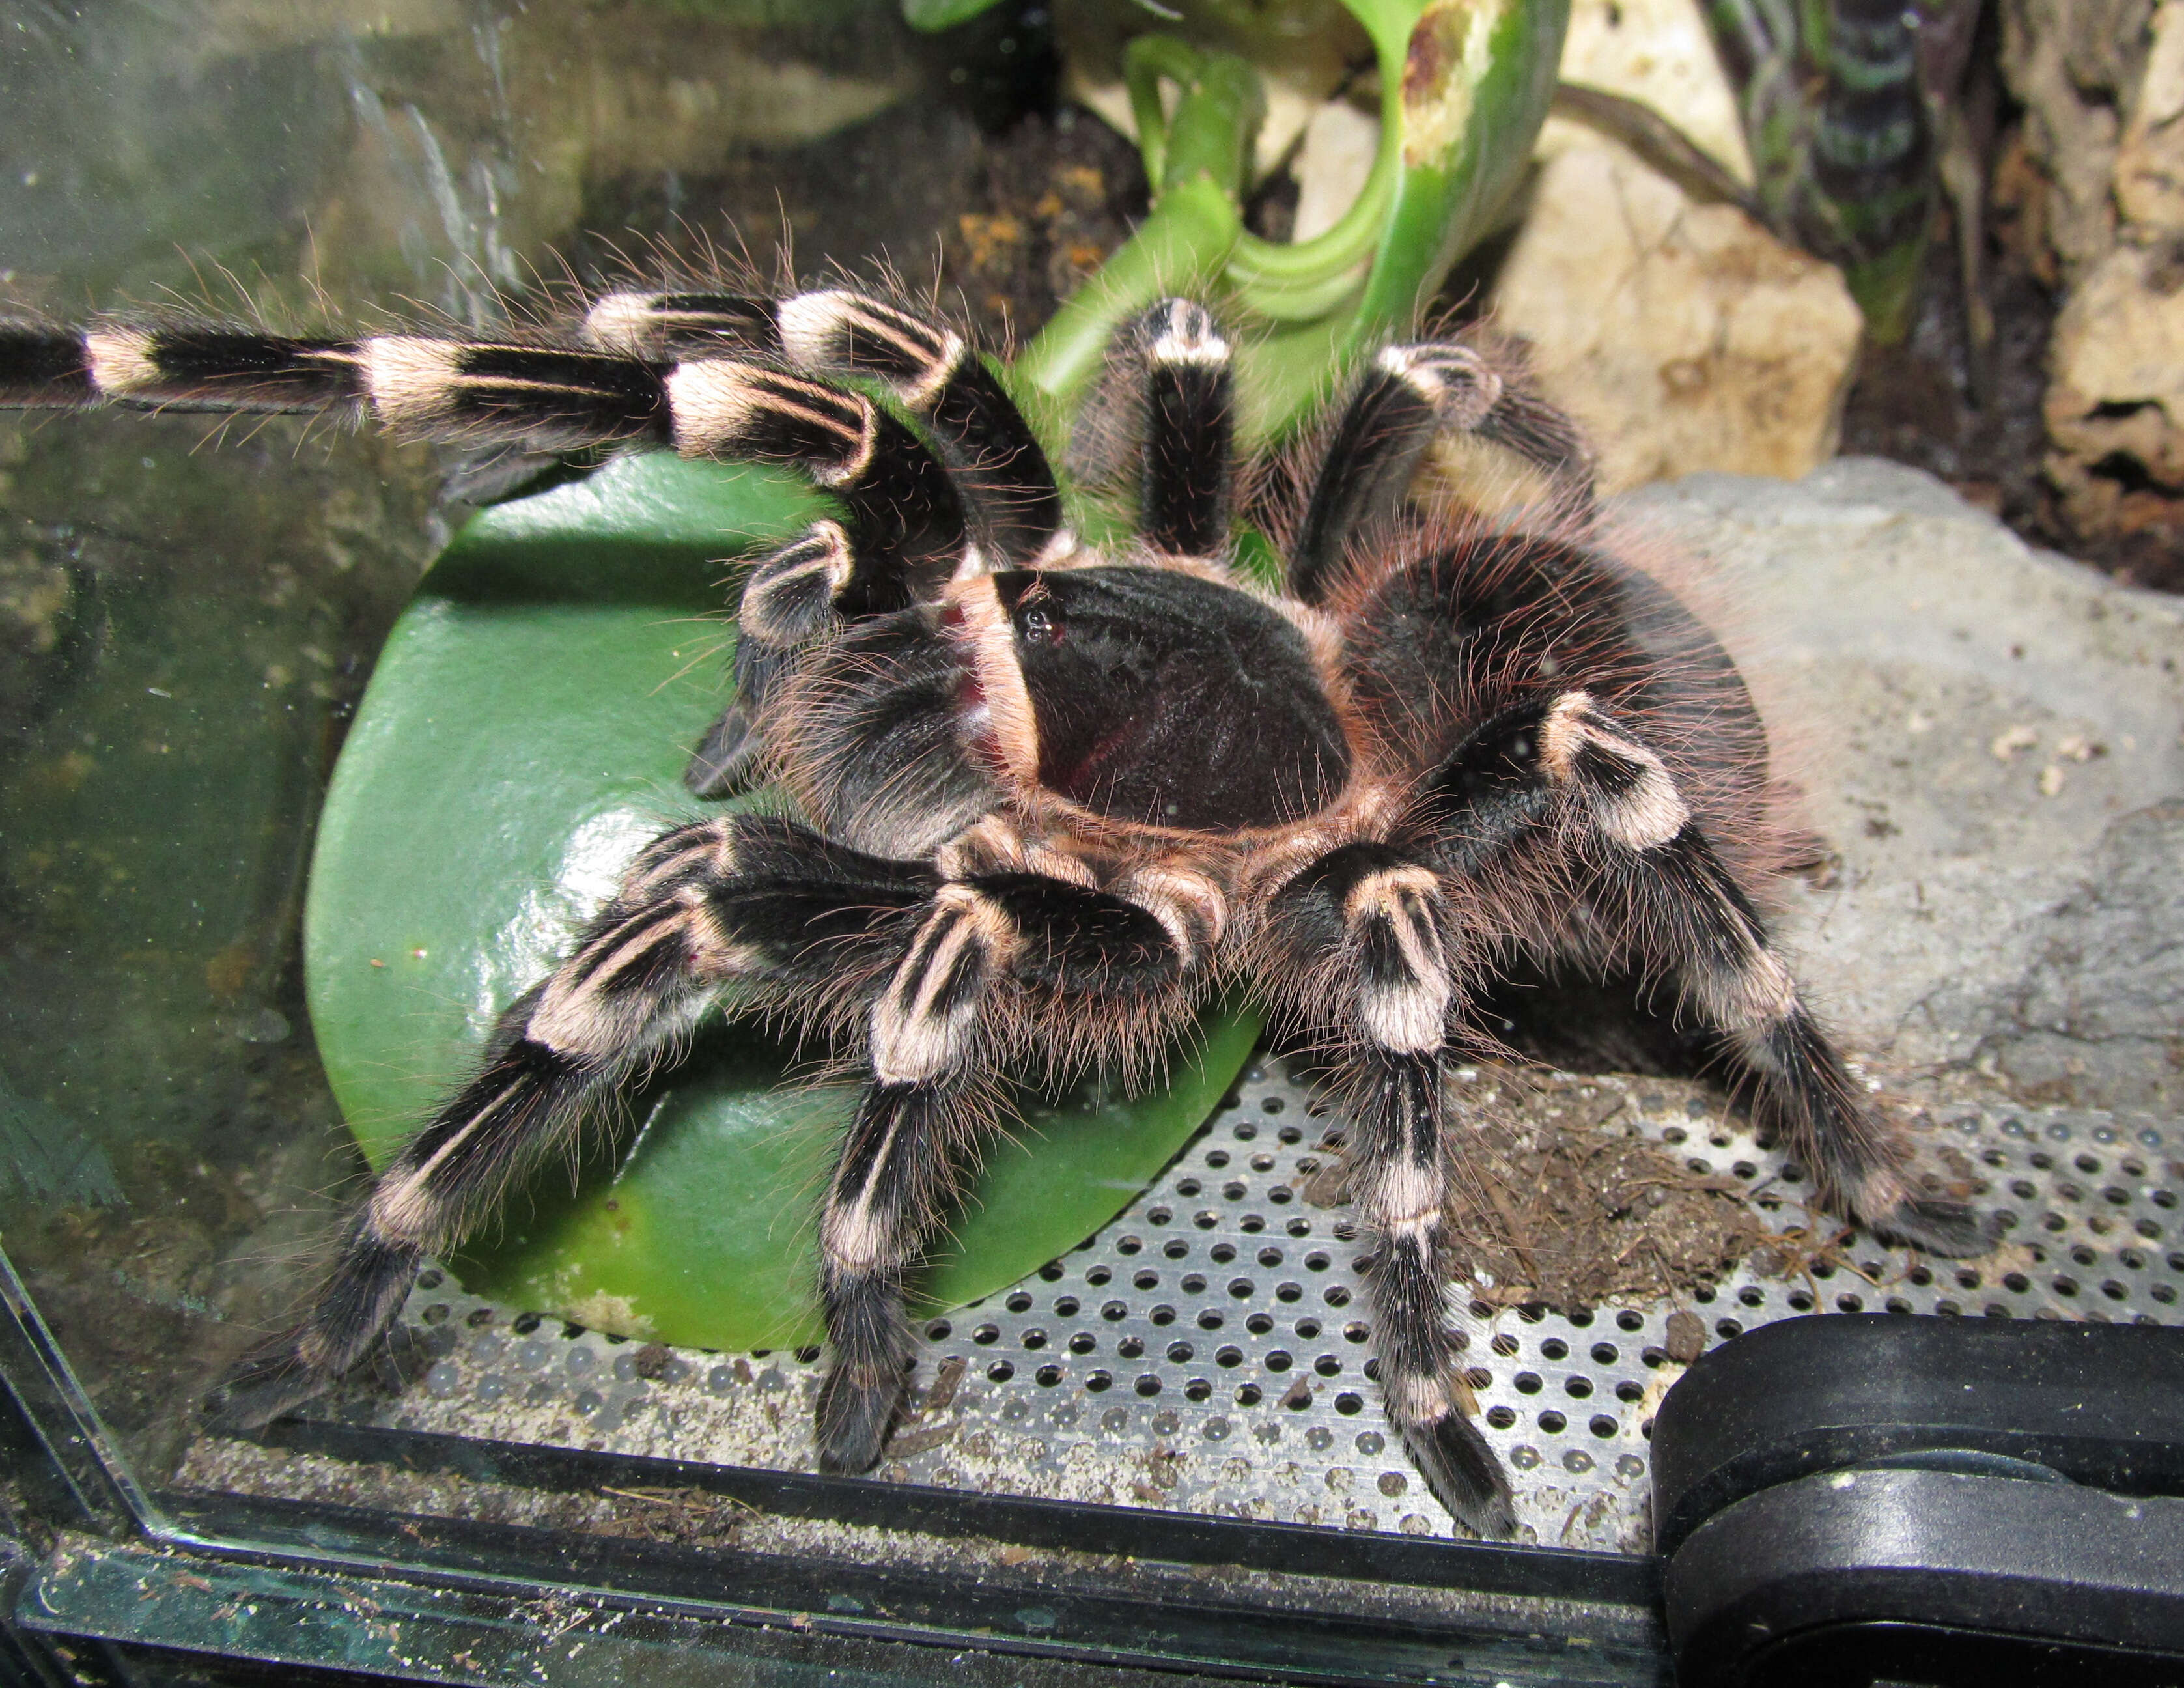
(1054, 794)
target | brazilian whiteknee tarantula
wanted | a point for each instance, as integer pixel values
(1055, 795)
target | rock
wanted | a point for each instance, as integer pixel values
(2099, 175)
(1988, 736)
(2116, 390)
(1685, 337)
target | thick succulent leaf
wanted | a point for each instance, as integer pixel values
(524, 732)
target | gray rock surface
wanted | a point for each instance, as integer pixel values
(1988, 736)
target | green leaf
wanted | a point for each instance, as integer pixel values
(943, 14)
(524, 732)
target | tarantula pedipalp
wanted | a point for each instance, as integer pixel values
(1053, 795)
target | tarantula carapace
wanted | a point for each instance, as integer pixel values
(1053, 795)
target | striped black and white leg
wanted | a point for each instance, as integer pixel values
(1370, 926)
(740, 900)
(1189, 426)
(1561, 769)
(1409, 395)
(1003, 953)
(1007, 489)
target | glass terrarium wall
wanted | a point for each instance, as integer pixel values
(189, 612)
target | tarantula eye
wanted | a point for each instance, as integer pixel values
(1036, 626)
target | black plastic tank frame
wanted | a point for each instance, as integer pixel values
(1925, 1503)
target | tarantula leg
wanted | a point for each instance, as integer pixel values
(1410, 394)
(1663, 896)
(1389, 991)
(932, 371)
(740, 898)
(1004, 931)
(1189, 420)
(468, 392)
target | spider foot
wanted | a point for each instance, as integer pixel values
(857, 1409)
(1463, 1473)
(262, 1385)
(1937, 1225)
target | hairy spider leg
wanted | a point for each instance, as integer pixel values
(1410, 394)
(739, 900)
(1369, 925)
(1189, 422)
(1007, 489)
(1559, 768)
(1009, 960)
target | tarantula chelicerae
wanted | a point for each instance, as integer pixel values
(1055, 795)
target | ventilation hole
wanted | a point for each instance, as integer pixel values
(1262, 1163)
(2086, 1164)
(1130, 1245)
(1604, 1426)
(1727, 1328)
(1232, 1192)
(2131, 1258)
(1526, 1383)
(1629, 1321)
(1479, 1377)
(938, 1331)
(431, 1279)
(1154, 1216)
(2163, 1293)
(1189, 1187)
(1000, 1371)
(1097, 1277)
(1279, 1361)
(1149, 1385)
(1750, 1296)
(1897, 1303)
(805, 1356)
(524, 1324)
(1018, 1303)
(1628, 1390)
(1948, 1309)
(1179, 1352)
(1504, 1345)
(1066, 1306)
(1553, 1422)
(1259, 1323)
(1326, 1365)
(1270, 1257)
(1850, 1304)
(1251, 1223)
(1272, 1105)
(437, 1313)
(1280, 1195)
(1193, 1283)
(1247, 1132)
(1051, 1272)
(1337, 1296)
(1554, 1348)
(1288, 1292)
(1349, 1405)
(1047, 1376)
(1229, 1356)
(1198, 1390)
(1501, 1418)
(1578, 1389)
(1356, 1332)
(2066, 1286)
(1800, 1302)
(1248, 1395)
(1299, 1227)
(1175, 1248)
(479, 1317)
(1083, 1343)
(1653, 1357)
(1113, 1311)
(1033, 1340)
(1242, 1288)
(1211, 1319)
(2115, 1291)
(2024, 1188)
(1100, 1382)
(1130, 1348)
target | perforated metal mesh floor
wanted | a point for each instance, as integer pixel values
(1207, 1350)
